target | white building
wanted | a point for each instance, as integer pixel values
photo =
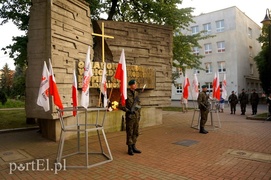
(230, 52)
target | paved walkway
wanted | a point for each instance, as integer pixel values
(240, 149)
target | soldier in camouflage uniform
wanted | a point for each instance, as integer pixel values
(204, 107)
(243, 98)
(254, 101)
(132, 117)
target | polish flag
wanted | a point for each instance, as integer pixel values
(74, 94)
(195, 87)
(224, 84)
(103, 86)
(43, 96)
(185, 89)
(53, 88)
(214, 86)
(121, 75)
(86, 80)
(217, 89)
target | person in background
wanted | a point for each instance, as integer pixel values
(204, 107)
(254, 101)
(184, 104)
(243, 99)
(221, 104)
(233, 100)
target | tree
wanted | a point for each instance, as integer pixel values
(6, 79)
(16, 11)
(18, 87)
(263, 60)
(161, 12)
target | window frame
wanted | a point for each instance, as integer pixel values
(220, 26)
(208, 68)
(221, 46)
(207, 28)
(209, 49)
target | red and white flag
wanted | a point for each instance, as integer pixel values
(214, 86)
(103, 86)
(43, 96)
(74, 94)
(86, 80)
(186, 85)
(217, 90)
(121, 75)
(195, 87)
(53, 88)
(224, 84)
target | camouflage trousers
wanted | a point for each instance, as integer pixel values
(132, 125)
(203, 117)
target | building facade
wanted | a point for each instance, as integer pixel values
(230, 52)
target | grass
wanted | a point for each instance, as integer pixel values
(12, 103)
(16, 118)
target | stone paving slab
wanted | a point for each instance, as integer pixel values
(209, 158)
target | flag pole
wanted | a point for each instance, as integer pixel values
(110, 94)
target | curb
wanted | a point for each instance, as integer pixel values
(19, 129)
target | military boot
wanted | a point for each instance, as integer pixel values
(203, 131)
(135, 150)
(130, 150)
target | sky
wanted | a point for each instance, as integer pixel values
(255, 9)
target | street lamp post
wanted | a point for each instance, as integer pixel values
(267, 21)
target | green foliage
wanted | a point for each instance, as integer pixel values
(3, 97)
(16, 11)
(161, 12)
(18, 87)
(263, 59)
(6, 80)
(12, 103)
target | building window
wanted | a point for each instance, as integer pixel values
(208, 48)
(208, 68)
(209, 86)
(196, 71)
(220, 46)
(179, 88)
(195, 29)
(251, 69)
(249, 32)
(250, 51)
(196, 51)
(221, 67)
(207, 28)
(219, 26)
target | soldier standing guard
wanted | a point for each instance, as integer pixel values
(243, 98)
(254, 101)
(132, 117)
(233, 100)
(204, 107)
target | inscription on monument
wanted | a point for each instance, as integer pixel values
(141, 74)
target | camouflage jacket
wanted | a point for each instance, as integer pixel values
(132, 102)
(203, 101)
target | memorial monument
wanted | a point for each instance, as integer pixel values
(62, 30)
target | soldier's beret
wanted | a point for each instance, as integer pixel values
(243, 89)
(131, 82)
(204, 86)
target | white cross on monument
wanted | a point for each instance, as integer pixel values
(103, 36)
